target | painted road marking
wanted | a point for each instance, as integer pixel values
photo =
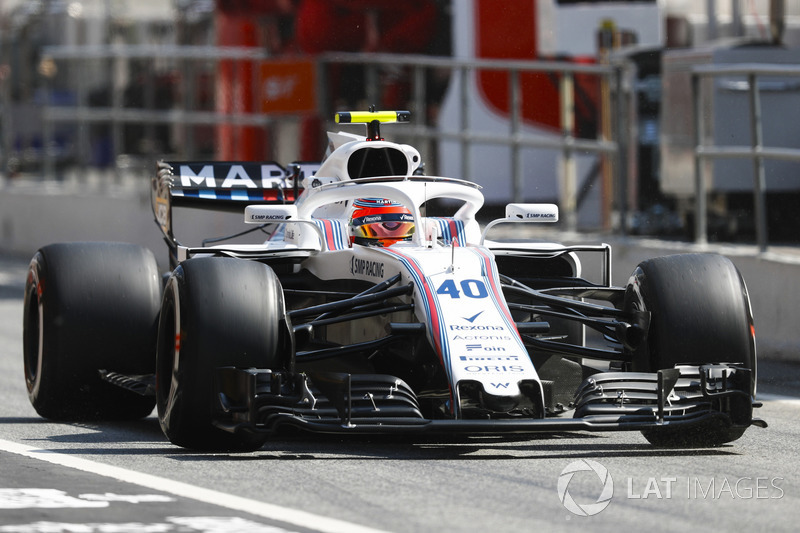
(44, 499)
(237, 503)
(184, 524)
(58, 499)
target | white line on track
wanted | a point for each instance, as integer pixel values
(236, 503)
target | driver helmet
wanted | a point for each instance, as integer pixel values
(380, 222)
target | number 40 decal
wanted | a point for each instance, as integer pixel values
(472, 288)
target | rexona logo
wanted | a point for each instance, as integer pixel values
(364, 267)
(472, 318)
(475, 327)
(585, 509)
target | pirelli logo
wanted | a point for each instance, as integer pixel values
(470, 358)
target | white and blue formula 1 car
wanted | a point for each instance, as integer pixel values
(364, 313)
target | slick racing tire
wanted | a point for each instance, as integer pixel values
(216, 312)
(700, 314)
(89, 306)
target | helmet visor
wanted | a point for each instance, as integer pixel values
(391, 229)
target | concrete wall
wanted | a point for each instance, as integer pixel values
(34, 214)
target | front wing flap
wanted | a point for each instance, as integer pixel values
(252, 400)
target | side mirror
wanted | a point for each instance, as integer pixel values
(279, 214)
(531, 213)
(265, 214)
(541, 213)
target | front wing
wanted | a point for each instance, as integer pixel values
(262, 401)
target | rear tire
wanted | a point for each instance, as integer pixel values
(89, 306)
(700, 314)
(216, 312)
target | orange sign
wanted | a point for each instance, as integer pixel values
(288, 86)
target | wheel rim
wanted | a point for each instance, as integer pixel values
(32, 334)
(167, 353)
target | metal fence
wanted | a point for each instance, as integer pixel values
(185, 116)
(756, 151)
(198, 66)
(605, 146)
(182, 117)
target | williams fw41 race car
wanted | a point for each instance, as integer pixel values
(362, 312)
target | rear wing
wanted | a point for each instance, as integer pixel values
(224, 186)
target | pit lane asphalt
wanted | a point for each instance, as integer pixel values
(391, 484)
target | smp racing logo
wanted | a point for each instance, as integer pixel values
(363, 267)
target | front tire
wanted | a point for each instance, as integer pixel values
(89, 306)
(700, 314)
(216, 312)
